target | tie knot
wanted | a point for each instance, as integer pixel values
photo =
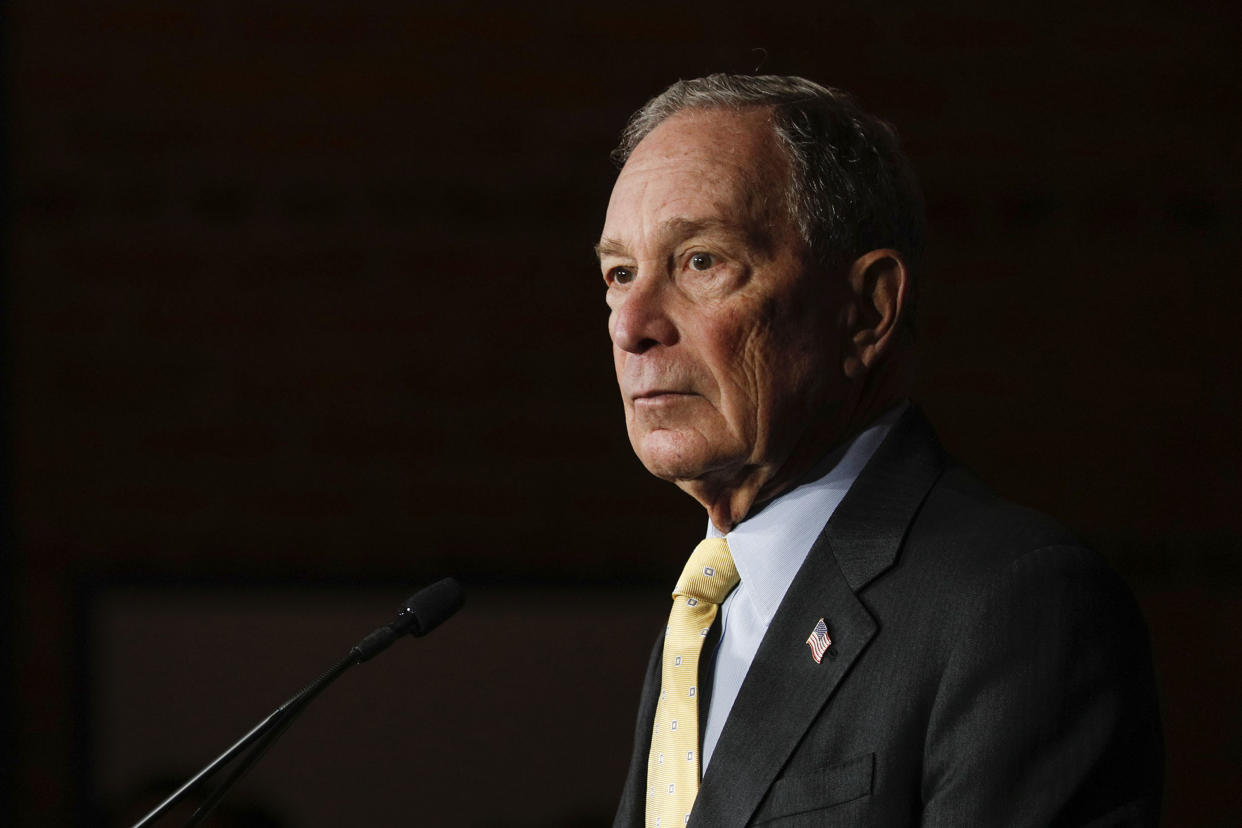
(710, 573)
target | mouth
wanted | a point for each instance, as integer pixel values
(660, 396)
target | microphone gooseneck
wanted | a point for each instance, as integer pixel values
(419, 615)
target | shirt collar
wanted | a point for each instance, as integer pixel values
(769, 547)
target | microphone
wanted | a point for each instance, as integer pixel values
(420, 614)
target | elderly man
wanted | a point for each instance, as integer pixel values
(867, 636)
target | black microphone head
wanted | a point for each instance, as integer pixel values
(429, 607)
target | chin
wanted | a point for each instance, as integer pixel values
(673, 455)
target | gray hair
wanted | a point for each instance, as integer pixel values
(852, 190)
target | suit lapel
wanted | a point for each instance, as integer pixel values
(785, 689)
(866, 531)
(631, 813)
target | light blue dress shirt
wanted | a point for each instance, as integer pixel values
(768, 549)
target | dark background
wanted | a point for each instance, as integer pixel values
(300, 312)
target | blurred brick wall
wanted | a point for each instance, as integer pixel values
(305, 290)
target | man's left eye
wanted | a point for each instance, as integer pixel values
(702, 261)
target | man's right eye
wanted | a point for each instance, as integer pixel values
(620, 276)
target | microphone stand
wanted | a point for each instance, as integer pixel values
(420, 614)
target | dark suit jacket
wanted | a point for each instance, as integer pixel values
(985, 670)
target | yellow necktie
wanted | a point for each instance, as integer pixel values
(673, 764)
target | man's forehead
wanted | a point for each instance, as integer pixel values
(716, 131)
(717, 171)
(679, 228)
(705, 148)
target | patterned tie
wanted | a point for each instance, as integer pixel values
(673, 764)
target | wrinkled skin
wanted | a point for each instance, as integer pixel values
(731, 349)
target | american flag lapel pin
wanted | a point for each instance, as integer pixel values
(819, 641)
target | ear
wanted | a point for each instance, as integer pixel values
(878, 283)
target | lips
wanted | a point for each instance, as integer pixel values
(660, 395)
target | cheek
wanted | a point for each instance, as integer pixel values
(779, 366)
(749, 351)
(742, 364)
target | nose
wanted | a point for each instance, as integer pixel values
(640, 318)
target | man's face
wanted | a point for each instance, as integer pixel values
(725, 338)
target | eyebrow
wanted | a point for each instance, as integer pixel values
(609, 247)
(680, 229)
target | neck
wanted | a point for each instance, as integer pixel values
(729, 506)
(729, 502)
